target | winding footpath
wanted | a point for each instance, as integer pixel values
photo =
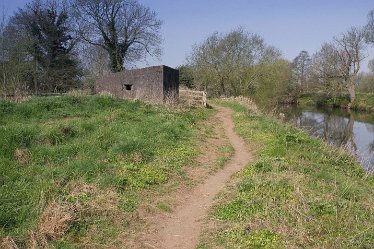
(182, 228)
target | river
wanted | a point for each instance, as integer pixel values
(354, 131)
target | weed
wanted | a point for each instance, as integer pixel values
(164, 207)
(225, 152)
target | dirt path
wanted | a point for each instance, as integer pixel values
(182, 228)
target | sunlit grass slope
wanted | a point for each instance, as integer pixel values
(299, 193)
(73, 167)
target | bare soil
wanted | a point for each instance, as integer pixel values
(182, 228)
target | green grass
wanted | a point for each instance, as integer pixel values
(81, 151)
(364, 102)
(225, 153)
(306, 100)
(299, 193)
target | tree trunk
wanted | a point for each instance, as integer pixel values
(116, 62)
(351, 90)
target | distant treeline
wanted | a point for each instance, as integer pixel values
(51, 46)
(241, 63)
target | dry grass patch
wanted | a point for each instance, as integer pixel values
(84, 205)
(8, 243)
(22, 156)
(55, 221)
(89, 200)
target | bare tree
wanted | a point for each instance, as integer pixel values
(126, 29)
(340, 60)
(301, 66)
(370, 28)
(325, 71)
(2, 50)
(350, 54)
(95, 60)
(371, 65)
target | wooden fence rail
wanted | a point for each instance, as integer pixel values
(193, 97)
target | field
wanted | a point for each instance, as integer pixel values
(74, 169)
(299, 193)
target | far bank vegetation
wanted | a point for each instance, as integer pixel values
(242, 63)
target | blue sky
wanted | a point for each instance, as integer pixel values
(290, 25)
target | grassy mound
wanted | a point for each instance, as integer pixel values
(73, 167)
(299, 193)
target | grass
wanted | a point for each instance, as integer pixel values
(90, 158)
(306, 101)
(299, 193)
(225, 153)
(364, 102)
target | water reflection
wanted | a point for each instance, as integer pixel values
(351, 130)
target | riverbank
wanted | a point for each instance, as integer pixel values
(300, 192)
(364, 101)
(339, 127)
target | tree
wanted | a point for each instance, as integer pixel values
(366, 82)
(224, 64)
(371, 65)
(370, 28)
(339, 62)
(49, 32)
(95, 60)
(301, 66)
(185, 76)
(15, 64)
(275, 85)
(324, 72)
(126, 29)
(2, 51)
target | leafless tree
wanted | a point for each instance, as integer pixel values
(2, 49)
(370, 28)
(324, 71)
(95, 60)
(301, 66)
(350, 54)
(340, 60)
(371, 65)
(126, 29)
